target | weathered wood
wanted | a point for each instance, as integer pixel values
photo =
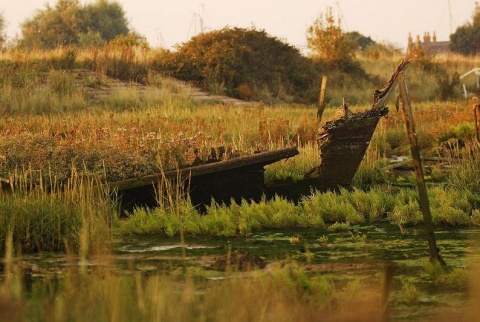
(409, 161)
(262, 159)
(476, 115)
(381, 96)
(321, 99)
(342, 145)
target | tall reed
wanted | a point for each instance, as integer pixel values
(47, 216)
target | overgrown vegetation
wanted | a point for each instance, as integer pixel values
(76, 217)
(125, 134)
(326, 40)
(245, 63)
(132, 135)
(400, 206)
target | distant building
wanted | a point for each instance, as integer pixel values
(430, 46)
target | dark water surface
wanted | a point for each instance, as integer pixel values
(373, 244)
(377, 243)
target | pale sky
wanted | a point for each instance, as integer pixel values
(166, 23)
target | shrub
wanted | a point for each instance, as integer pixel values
(466, 175)
(462, 132)
(240, 62)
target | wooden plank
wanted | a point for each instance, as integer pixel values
(263, 158)
(409, 161)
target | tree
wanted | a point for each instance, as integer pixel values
(360, 41)
(466, 39)
(69, 23)
(52, 26)
(3, 37)
(105, 18)
(327, 41)
(476, 15)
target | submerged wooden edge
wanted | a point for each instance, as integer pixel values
(262, 158)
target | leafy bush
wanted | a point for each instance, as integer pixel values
(462, 132)
(465, 40)
(242, 63)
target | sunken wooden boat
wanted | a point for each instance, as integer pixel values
(342, 144)
(237, 178)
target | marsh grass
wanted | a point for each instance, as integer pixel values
(78, 215)
(278, 213)
(137, 133)
(118, 145)
(285, 291)
(144, 123)
(450, 207)
(410, 294)
(294, 168)
(332, 207)
(220, 219)
(400, 206)
(466, 165)
(446, 278)
(55, 139)
(374, 204)
(370, 171)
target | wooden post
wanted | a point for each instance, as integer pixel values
(321, 99)
(476, 112)
(417, 164)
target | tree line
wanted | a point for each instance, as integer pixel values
(93, 24)
(244, 63)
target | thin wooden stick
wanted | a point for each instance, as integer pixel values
(417, 165)
(321, 99)
(476, 112)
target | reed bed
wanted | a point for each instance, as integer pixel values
(51, 127)
(77, 215)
